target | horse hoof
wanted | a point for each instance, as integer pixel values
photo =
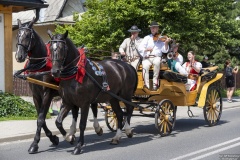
(114, 142)
(130, 135)
(73, 139)
(76, 151)
(55, 140)
(33, 149)
(100, 132)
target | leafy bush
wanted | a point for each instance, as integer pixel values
(235, 94)
(14, 106)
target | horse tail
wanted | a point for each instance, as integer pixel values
(136, 82)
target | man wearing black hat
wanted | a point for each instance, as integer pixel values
(152, 50)
(129, 47)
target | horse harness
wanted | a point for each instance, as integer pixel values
(99, 71)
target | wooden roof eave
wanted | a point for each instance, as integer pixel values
(21, 6)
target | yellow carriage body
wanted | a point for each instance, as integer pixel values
(176, 91)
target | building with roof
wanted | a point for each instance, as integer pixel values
(7, 7)
(58, 12)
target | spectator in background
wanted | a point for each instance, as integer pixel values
(229, 79)
(58, 102)
(115, 55)
(204, 62)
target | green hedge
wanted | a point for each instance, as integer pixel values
(14, 106)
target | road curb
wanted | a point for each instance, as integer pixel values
(31, 136)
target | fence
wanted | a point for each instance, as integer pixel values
(21, 87)
(237, 80)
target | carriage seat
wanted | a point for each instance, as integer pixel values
(175, 77)
(207, 75)
(163, 68)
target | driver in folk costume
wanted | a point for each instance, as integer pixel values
(152, 52)
(129, 47)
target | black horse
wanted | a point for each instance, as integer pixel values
(114, 80)
(30, 44)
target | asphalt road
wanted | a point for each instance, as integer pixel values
(191, 139)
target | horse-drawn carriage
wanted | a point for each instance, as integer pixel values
(85, 83)
(172, 93)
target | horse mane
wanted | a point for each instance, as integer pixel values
(72, 51)
(71, 46)
(39, 45)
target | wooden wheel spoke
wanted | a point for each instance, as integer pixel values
(165, 110)
(217, 110)
(168, 109)
(170, 123)
(214, 96)
(112, 119)
(211, 96)
(165, 127)
(211, 116)
(113, 124)
(213, 106)
(208, 101)
(161, 128)
(162, 114)
(161, 122)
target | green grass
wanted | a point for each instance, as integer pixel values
(16, 118)
(235, 94)
(22, 118)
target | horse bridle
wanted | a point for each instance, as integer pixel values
(54, 49)
(28, 47)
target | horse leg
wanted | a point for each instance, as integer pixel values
(61, 116)
(73, 128)
(96, 125)
(128, 129)
(46, 103)
(82, 127)
(42, 112)
(119, 113)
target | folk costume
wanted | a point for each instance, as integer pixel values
(152, 58)
(130, 47)
(191, 85)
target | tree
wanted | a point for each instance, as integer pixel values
(207, 26)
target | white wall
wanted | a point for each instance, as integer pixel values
(2, 68)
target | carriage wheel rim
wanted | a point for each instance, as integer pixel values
(213, 107)
(165, 118)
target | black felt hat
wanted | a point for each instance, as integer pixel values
(134, 29)
(154, 24)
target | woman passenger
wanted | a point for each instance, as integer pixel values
(193, 67)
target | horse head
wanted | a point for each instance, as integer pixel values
(25, 41)
(58, 49)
